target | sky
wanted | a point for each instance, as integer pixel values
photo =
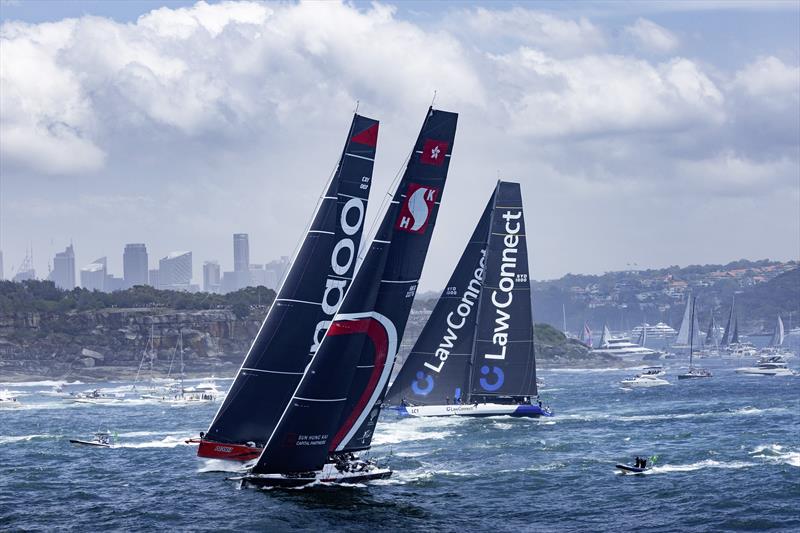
(643, 133)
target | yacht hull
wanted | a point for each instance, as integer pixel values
(479, 410)
(329, 474)
(230, 452)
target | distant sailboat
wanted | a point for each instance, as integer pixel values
(689, 332)
(335, 407)
(778, 334)
(586, 336)
(310, 295)
(693, 372)
(731, 335)
(475, 355)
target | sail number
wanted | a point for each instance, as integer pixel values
(522, 278)
(364, 182)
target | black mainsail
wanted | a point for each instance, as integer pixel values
(504, 361)
(731, 335)
(478, 342)
(304, 307)
(336, 401)
(437, 368)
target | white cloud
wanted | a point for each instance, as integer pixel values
(534, 28)
(652, 36)
(218, 70)
(605, 94)
(768, 77)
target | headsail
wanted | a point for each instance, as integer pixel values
(309, 297)
(731, 335)
(437, 367)
(604, 337)
(336, 400)
(586, 336)
(504, 359)
(686, 324)
(712, 339)
(777, 335)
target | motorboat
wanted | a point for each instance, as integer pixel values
(621, 346)
(95, 396)
(643, 381)
(8, 401)
(695, 372)
(100, 440)
(658, 331)
(657, 371)
(768, 366)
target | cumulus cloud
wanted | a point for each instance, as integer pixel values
(651, 36)
(210, 69)
(767, 77)
(605, 94)
(534, 28)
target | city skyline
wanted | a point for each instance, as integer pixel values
(653, 133)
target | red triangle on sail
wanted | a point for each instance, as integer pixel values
(369, 136)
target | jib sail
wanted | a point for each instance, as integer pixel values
(306, 302)
(437, 368)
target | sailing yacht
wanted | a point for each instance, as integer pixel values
(307, 300)
(333, 411)
(730, 343)
(693, 372)
(477, 346)
(775, 347)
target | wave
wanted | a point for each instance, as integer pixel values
(218, 465)
(708, 463)
(43, 383)
(580, 370)
(414, 429)
(593, 416)
(775, 453)
(10, 439)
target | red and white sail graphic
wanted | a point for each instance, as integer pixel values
(417, 208)
(433, 152)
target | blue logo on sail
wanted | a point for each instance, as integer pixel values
(491, 387)
(428, 386)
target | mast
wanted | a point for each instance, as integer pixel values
(308, 298)
(564, 318)
(727, 337)
(691, 332)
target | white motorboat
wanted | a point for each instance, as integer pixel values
(657, 371)
(658, 331)
(621, 346)
(768, 366)
(643, 381)
(96, 397)
(100, 440)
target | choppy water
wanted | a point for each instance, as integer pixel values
(728, 447)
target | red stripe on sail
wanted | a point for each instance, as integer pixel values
(377, 334)
(369, 136)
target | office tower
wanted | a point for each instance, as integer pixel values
(93, 275)
(241, 252)
(175, 271)
(63, 274)
(211, 278)
(134, 264)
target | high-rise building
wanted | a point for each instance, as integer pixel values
(175, 271)
(93, 275)
(134, 264)
(63, 274)
(277, 270)
(258, 276)
(211, 277)
(241, 252)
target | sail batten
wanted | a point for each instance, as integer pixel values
(313, 288)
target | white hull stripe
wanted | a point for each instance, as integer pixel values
(272, 371)
(320, 399)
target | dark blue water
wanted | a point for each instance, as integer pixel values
(728, 447)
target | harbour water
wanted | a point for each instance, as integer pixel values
(728, 459)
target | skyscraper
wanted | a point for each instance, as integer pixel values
(175, 271)
(241, 252)
(211, 278)
(134, 264)
(63, 274)
(93, 275)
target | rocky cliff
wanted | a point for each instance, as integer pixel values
(111, 342)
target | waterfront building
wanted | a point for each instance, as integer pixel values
(134, 264)
(63, 274)
(175, 271)
(93, 275)
(211, 276)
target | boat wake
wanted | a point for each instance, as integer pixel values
(169, 441)
(218, 465)
(775, 453)
(4, 439)
(700, 465)
(414, 430)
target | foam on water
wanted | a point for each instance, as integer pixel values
(414, 429)
(775, 453)
(9, 439)
(170, 441)
(708, 463)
